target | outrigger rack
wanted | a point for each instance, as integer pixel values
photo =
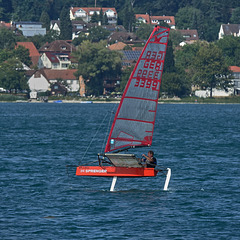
(121, 165)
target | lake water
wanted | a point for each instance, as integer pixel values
(40, 199)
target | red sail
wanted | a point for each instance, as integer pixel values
(134, 120)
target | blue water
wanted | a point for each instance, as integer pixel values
(41, 200)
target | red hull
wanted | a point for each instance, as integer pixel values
(108, 171)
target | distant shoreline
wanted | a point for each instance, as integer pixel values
(174, 100)
(114, 102)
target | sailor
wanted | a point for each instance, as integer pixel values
(150, 160)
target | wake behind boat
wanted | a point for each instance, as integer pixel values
(134, 121)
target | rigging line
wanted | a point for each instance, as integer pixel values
(108, 128)
(92, 140)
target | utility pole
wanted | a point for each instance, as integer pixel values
(95, 3)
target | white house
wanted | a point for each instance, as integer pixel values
(38, 82)
(143, 18)
(67, 76)
(86, 13)
(55, 60)
(229, 29)
(170, 20)
(55, 25)
(215, 93)
(236, 79)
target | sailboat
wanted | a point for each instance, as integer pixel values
(134, 120)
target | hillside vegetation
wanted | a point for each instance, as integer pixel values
(203, 15)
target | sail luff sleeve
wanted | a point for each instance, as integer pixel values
(135, 117)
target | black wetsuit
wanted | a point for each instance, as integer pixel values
(152, 164)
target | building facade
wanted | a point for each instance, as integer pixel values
(30, 29)
(86, 13)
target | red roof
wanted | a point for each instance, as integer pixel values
(234, 68)
(165, 19)
(117, 46)
(74, 9)
(52, 58)
(143, 16)
(4, 24)
(53, 74)
(33, 52)
(61, 46)
(30, 46)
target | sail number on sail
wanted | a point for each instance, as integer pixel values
(155, 84)
(149, 76)
(155, 55)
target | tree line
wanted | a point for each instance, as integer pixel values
(204, 15)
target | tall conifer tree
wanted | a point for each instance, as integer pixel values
(45, 20)
(65, 24)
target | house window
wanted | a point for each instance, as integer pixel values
(55, 87)
(65, 65)
(79, 26)
(63, 47)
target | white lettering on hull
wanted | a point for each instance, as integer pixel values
(93, 171)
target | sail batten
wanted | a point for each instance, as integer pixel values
(134, 121)
(147, 99)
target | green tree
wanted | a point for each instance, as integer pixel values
(209, 68)
(144, 31)
(12, 75)
(175, 84)
(124, 78)
(24, 10)
(65, 24)
(45, 20)
(169, 65)
(235, 18)
(7, 39)
(81, 37)
(105, 19)
(192, 18)
(230, 47)
(161, 7)
(184, 56)
(176, 38)
(97, 33)
(174, 81)
(5, 10)
(94, 18)
(96, 63)
(100, 17)
(215, 13)
(129, 19)
(5, 54)
(22, 54)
